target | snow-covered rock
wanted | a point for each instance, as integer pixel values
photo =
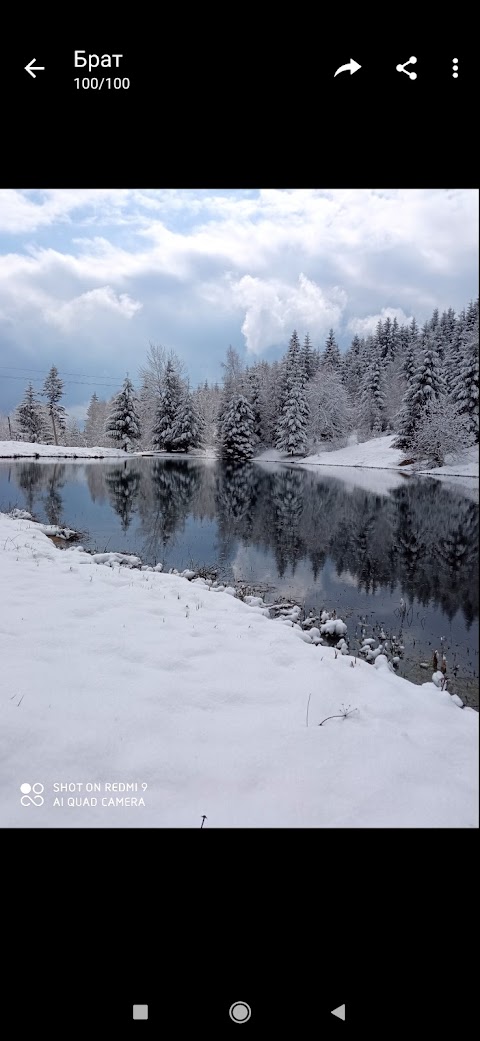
(127, 559)
(315, 634)
(333, 627)
(382, 662)
(57, 531)
(21, 515)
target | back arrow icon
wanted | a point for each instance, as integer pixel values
(31, 66)
(352, 67)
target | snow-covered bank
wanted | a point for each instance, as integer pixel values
(378, 453)
(30, 449)
(112, 676)
(33, 450)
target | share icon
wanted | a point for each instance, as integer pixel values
(401, 68)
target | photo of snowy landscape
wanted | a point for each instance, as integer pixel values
(239, 436)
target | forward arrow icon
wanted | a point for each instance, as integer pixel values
(352, 67)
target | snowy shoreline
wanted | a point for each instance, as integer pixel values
(123, 675)
(376, 454)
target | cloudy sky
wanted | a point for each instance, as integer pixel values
(90, 277)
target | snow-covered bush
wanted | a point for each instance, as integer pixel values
(442, 430)
(330, 412)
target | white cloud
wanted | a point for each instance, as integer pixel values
(201, 268)
(86, 307)
(22, 212)
(365, 326)
(273, 308)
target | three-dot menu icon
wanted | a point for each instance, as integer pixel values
(455, 69)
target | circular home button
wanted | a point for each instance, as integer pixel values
(240, 1012)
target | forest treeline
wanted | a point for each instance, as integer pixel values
(421, 384)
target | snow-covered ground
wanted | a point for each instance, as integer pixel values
(30, 449)
(113, 676)
(378, 453)
(9, 449)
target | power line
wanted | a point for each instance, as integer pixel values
(86, 375)
(68, 383)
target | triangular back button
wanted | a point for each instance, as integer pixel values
(340, 1012)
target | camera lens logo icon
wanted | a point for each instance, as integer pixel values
(36, 799)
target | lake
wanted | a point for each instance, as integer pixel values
(359, 541)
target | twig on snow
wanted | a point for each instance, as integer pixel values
(308, 706)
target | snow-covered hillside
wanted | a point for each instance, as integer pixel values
(379, 453)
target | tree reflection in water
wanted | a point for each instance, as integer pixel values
(422, 536)
(123, 484)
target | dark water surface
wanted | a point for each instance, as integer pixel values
(358, 541)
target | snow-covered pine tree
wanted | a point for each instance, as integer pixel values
(352, 366)
(434, 320)
(373, 406)
(471, 317)
(253, 396)
(331, 355)
(233, 383)
(163, 431)
(414, 333)
(152, 376)
(53, 391)
(426, 386)
(309, 359)
(379, 339)
(186, 425)
(465, 387)
(386, 339)
(395, 341)
(95, 422)
(292, 436)
(29, 416)
(270, 399)
(237, 432)
(290, 368)
(443, 335)
(123, 424)
(409, 362)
